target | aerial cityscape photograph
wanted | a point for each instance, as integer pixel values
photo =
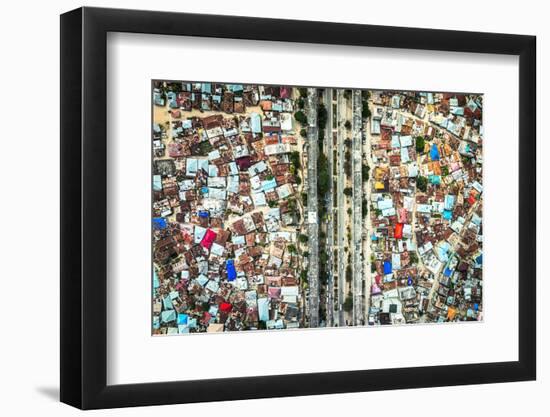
(290, 207)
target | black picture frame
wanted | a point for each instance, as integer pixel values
(84, 207)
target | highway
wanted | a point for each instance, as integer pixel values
(340, 197)
(312, 209)
(357, 221)
(329, 241)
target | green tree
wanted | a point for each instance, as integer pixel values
(347, 125)
(303, 92)
(348, 304)
(303, 133)
(300, 117)
(323, 175)
(365, 112)
(322, 116)
(364, 208)
(420, 144)
(348, 273)
(291, 248)
(348, 191)
(422, 183)
(301, 103)
(365, 169)
(303, 238)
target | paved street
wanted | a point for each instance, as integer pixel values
(312, 209)
(341, 111)
(357, 221)
(329, 202)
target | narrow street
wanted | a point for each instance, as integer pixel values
(367, 224)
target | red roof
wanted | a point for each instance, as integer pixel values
(244, 162)
(398, 232)
(226, 307)
(208, 239)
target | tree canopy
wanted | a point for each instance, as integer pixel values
(420, 144)
(422, 183)
(300, 117)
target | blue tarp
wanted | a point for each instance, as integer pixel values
(447, 214)
(447, 272)
(434, 153)
(479, 259)
(410, 282)
(231, 272)
(204, 214)
(182, 319)
(159, 223)
(387, 267)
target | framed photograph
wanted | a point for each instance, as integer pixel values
(256, 208)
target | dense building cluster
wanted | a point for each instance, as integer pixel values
(279, 207)
(425, 228)
(226, 217)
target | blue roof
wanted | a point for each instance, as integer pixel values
(435, 179)
(447, 272)
(255, 123)
(447, 214)
(182, 318)
(434, 153)
(269, 184)
(231, 272)
(234, 87)
(156, 282)
(263, 309)
(159, 223)
(387, 267)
